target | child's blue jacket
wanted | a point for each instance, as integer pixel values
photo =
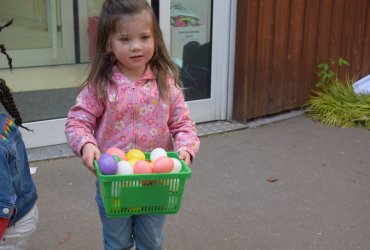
(17, 189)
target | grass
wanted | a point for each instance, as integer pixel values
(336, 104)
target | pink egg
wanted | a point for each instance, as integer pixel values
(163, 164)
(142, 167)
(117, 152)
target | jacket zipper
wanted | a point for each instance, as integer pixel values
(134, 113)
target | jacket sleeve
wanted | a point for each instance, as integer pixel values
(182, 127)
(82, 119)
(7, 194)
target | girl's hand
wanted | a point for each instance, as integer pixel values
(89, 153)
(184, 155)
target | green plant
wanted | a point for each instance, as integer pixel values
(335, 103)
(326, 71)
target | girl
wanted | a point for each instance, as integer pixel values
(131, 99)
(18, 210)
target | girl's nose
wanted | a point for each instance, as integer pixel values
(135, 45)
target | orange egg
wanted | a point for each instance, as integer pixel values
(117, 152)
(142, 167)
(163, 164)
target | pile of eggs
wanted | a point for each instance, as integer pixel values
(115, 162)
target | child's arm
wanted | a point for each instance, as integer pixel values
(7, 196)
(182, 127)
(81, 120)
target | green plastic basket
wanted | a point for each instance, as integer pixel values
(157, 193)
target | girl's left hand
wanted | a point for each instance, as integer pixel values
(184, 155)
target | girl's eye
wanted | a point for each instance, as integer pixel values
(124, 39)
(146, 37)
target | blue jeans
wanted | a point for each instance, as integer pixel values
(121, 233)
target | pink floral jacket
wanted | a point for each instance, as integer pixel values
(134, 117)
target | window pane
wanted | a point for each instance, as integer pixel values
(191, 25)
(32, 25)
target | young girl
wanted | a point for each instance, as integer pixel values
(131, 99)
(18, 210)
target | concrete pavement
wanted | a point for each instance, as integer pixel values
(293, 184)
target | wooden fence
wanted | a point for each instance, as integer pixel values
(279, 44)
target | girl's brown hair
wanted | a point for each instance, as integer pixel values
(7, 100)
(101, 71)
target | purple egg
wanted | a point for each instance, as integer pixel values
(107, 164)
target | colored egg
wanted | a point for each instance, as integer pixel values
(163, 164)
(176, 166)
(116, 151)
(142, 167)
(135, 154)
(107, 164)
(156, 153)
(124, 168)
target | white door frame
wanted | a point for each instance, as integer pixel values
(216, 107)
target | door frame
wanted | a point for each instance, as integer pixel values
(218, 105)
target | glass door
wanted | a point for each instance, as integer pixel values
(40, 33)
(199, 45)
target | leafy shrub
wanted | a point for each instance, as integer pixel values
(335, 103)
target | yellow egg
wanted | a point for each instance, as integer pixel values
(135, 154)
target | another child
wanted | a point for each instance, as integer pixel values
(18, 210)
(131, 99)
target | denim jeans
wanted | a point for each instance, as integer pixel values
(145, 231)
(16, 237)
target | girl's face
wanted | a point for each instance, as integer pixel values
(133, 44)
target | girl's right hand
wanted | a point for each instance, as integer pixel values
(89, 153)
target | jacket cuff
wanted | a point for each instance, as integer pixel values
(6, 211)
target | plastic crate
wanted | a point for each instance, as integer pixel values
(157, 193)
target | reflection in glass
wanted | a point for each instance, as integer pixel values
(33, 24)
(191, 45)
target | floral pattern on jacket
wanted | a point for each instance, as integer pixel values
(133, 117)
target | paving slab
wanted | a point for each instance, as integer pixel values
(293, 184)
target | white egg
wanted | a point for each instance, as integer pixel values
(124, 167)
(176, 166)
(156, 153)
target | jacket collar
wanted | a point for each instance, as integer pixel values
(119, 77)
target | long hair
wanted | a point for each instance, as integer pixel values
(7, 101)
(101, 72)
